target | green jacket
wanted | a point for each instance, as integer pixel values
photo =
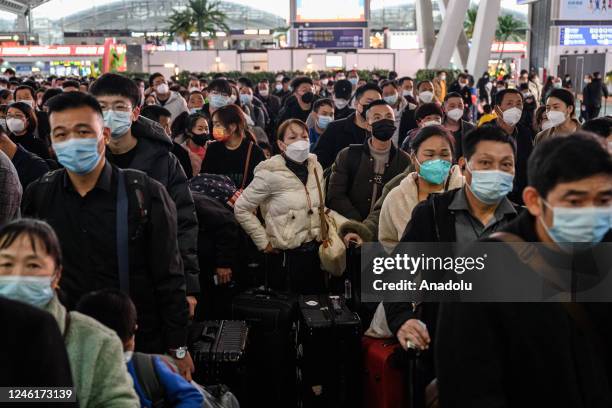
(96, 360)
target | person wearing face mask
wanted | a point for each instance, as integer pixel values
(427, 114)
(138, 143)
(454, 122)
(195, 135)
(324, 81)
(350, 130)
(170, 100)
(593, 94)
(115, 310)
(406, 85)
(361, 170)
(424, 94)
(509, 109)
(233, 153)
(29, 166)
(341, 96)
(353, 78)
(81, 202)
(561, 115)
(11, 190)
(433, 155)
(565, 204)
(439, 83)
(323, 115)
(21, 123)
(461, 86)
(298, 105)
(258, 115)
(391, 95)
(195, 102)
(6, 97)
(271, 102)
(484, 89)
(31, 270)
(285, 188)
(281, 88)
(26, 94)
(530, 105)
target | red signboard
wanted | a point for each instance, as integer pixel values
(57, 50)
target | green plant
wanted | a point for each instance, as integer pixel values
(470, 22)
(508, 28)
(201, 16)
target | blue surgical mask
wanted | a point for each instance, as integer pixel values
(246, 99)
(434, 171)
(353, 81)
(119, 122)
(33, 290)
(582, 224)
(490, 186)
(391, 99)
(323, 121)
(80, 156)
(193, 110)
(218, 101)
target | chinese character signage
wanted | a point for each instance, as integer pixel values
(333, 38)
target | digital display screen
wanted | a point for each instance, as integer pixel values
(334, 61)
(329, 11)
(333, 38)
(586, 36)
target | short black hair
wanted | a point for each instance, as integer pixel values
(564, 96)
(50, 93)
(426, 81)
(548, 163)
(295, 84)
(372, 104)
(155, 112)
(114, 84)
(485, 133)
(385, 83)
(486, 108)
(37, 231)
(599, 126)
(112, 308)
(153, 76)
(285, 80)
(405, 78)
(427, 109)
(320, 102)
(246, 82)
(73, 100)
(343, 89)
(71, 83)
(220, 85)
(453, 95)
(5, 93)
(499, 96)
(24, 87)
(431, 131)
(367, 87)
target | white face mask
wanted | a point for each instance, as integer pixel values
(436, 122)
(512, 116)
(426, 96)
(340, 103)
(298, 151)
(455, 114)
(556, 117)
(406, 93)
(547, 124)
(278, 87)
(162, 89)
(263, 92)
(193, 89)
(27, 102)
(127, 356)
(324, 81)
(15, 125)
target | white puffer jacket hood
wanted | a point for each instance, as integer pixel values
(289, 208)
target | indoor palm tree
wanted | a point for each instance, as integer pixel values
(470, 22)
(207, 18)
(508, 28)
(181, 24)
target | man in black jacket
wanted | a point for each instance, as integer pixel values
(341, 96)
(592, 95)
(29, 166)
(539, 354)
(376, 161)
(83, 204)
(461, 86)
(34, 355)
(140, 144)
(509, 110)
(424, 94)
(299, 104)
(351, 130)
(454, 109)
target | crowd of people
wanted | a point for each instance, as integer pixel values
(128, 205)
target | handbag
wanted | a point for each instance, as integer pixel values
(232, 200)
(332, 251)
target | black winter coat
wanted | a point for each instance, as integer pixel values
(523, 354)
(153, 157)
(338, 135)
(593, 93)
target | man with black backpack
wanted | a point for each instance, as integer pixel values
(361, 170)
(117, 228)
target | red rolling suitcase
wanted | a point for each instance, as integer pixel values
(384, 381)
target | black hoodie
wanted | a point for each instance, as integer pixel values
(153, 156)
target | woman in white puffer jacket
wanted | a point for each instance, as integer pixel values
(285, 188)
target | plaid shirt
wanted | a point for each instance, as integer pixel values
(10, 190)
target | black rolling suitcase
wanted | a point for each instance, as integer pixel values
(329, 337)
(272, 320)
(218, 349)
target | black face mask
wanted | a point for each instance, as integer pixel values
(200, 140)
(307, 97)
(383, 129)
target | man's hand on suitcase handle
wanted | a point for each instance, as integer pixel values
(413, 334)
(185, 366)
